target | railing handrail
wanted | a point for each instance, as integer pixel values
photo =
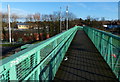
(108, 45)
(20, 66)
(31, 48)
(104, 32)
(57, 43)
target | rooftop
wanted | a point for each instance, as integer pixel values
(22, 24)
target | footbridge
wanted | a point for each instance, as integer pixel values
(80, 53)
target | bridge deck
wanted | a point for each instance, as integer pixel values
(84, 62)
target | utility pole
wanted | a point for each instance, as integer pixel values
(119, 10)
(67, 18)
(60, 21)
(9, 23)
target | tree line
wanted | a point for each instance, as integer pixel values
(51, 22)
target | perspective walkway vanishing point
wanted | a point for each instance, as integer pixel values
(84, 62)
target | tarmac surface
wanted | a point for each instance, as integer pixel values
(84, 63)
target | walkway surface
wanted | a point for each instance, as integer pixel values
(84, 62)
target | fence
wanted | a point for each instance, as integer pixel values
(39, 61)
(109, 47)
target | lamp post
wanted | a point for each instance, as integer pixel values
(67, 18)
(9, 23)
(60, 20)
(119, 10)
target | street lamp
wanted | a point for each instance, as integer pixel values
(9, 23)
(60, 20)
(67, 18)
(119, 10)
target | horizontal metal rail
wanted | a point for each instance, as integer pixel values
(108, 45)
(37, 62)
(41, 61)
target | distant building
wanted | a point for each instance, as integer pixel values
(111, 26)
(22, 26)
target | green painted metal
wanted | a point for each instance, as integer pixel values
(39, 61)
(25, 46)
(108, 45)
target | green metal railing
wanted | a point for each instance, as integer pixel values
(39, 61)
(109, 47)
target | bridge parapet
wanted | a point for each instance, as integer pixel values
(108, 45)
(39, 61)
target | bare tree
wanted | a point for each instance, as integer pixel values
(36, 17)
(89, 18)
(4, 17)
(102, 18)
(29, 17)
(71, 16)
(94, 19)
(46, 17)
(51, 17)
(14, 17)
(56, 16)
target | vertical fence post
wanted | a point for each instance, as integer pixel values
(93, 35)
(108, 51)
(38, 61)
(98, 40)
(105, 45)
(111, 50)
(102, 45)
(115, 67)
(95, 38)
(13, 74)
(55, 65)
